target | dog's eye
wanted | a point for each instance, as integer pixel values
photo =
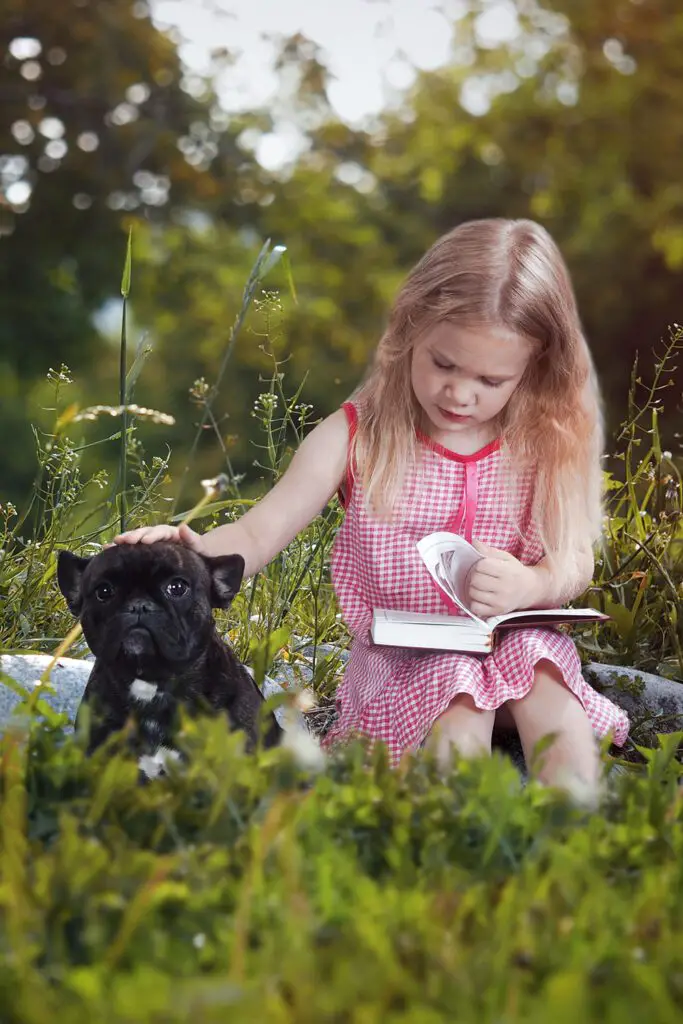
(104, 591)
(177, 587)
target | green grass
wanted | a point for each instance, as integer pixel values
(243, 889)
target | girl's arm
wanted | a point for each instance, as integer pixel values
(314, 474)
(553, 588)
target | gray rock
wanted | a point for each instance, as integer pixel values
(301, 673)
(654, 704)
(68, 680)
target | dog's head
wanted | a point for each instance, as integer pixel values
(146, 608)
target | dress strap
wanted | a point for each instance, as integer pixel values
(463, 520)
(471, 496)
(346, 489)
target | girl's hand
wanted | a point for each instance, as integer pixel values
(499, 583)
(175, 534)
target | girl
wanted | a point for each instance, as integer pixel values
(480, 415)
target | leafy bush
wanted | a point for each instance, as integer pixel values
(240, 888)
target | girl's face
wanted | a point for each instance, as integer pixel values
(463, 377)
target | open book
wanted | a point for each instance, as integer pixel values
(449, 559)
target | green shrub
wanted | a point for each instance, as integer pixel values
(241, 889)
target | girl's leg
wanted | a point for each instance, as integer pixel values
(462, 726)
(572, 761)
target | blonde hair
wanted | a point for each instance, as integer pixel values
(510, 274)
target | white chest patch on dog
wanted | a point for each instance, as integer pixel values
(154, 765)
(143, 691)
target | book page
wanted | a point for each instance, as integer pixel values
(449, 558)
(547, 616)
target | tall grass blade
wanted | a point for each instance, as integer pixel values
(125, 292)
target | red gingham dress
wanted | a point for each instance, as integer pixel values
(396, 694)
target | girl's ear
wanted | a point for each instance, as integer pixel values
(226, 573)
(70, 569)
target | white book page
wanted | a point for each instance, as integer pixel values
(449, 558)
(463, 624)
(561, 614)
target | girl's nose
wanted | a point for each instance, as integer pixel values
(460, 393)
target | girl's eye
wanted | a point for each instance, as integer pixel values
(177, 587)
(104, 591)
(441, 366)
(492, 383)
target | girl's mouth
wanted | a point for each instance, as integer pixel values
(454, 417)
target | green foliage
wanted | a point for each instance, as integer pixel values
(66, 509)
(101, 126)
(638, 577)
(241, 886)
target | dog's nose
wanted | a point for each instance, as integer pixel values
(139, 606)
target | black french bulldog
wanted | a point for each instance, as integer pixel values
(146, 615)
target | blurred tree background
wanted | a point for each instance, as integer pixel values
(575, 120)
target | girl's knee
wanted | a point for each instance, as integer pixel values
(463, 715)
(464, 742)
(573, 767)
(463, 727)
(559, 744)
(547, 703)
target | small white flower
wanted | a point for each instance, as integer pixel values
(199, 940)
(217, 485)
(305, 700)
(303, 746)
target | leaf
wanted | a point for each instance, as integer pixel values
(127, 268)
(662, 758)
(30, 703)
(610, 483)
(117, 776)
(543, 745)
(215, 506)
(143, 350)
(290, 278)
(271, 260)
(262, 652)
(66, 417)
(621, 617)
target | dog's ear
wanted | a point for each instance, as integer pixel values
(70, 569)
(226, 577)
